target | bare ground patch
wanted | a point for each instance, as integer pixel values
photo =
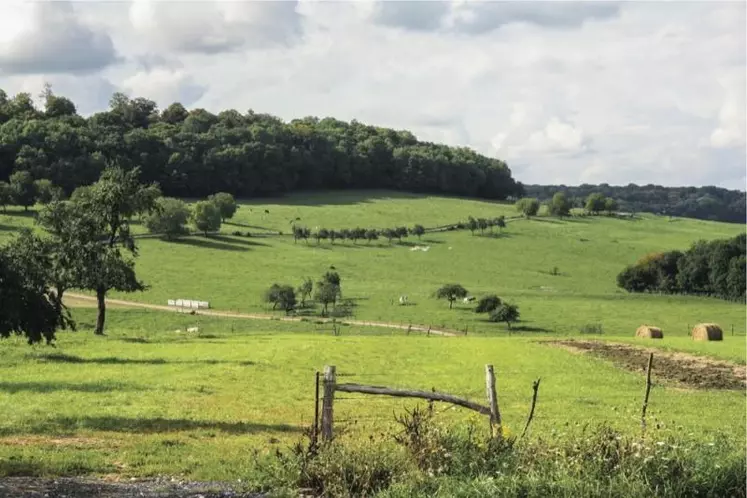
(67, 487)
(77, 442)
(692, 371)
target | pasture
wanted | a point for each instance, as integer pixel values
(146, 400)
(150, 399)
(232, 272)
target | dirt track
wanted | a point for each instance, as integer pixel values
(258, 316)
(692, 371)
(79, 487)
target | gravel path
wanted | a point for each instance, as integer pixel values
(73, 487)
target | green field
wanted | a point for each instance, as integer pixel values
(233, 272)
(145, 400)
(148, 400)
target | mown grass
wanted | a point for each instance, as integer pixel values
(146, 400)
(232, 272)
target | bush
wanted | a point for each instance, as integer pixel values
(169, 218)
(487, 304)
(237, 233)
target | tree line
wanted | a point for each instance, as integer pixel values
(193, 153)
(715, 268)
(706, 203)
(560, 205)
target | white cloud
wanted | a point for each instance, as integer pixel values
(211, 27)
(164, 86)
(565, 92)
(48, 37)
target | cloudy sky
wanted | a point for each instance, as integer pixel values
(564, 92)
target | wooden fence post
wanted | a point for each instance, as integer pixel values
(495, 414)
(648, 390)
(316, 411)
(330, 379)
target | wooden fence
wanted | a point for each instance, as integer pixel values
(330, 386)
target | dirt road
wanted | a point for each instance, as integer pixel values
(258, 316)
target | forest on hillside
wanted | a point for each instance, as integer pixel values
(196, 153)
(705, 203)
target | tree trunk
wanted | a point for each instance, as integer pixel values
(59, 291)
(101, 317)
(451, 302)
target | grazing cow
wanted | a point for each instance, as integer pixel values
(193, 330)
(402, 300)
(468, 299)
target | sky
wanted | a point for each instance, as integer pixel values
(563, 92)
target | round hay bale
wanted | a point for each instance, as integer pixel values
(707, 332)
(649, 332)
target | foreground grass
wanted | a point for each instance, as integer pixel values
(145, 400)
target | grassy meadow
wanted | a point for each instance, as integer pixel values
(232, 272)
(146, 400)
(149, 399)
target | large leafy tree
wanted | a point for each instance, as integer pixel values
(451, 292)
(206, 217)
(226, 204)
(528, 206)
(103, 213)
(169, 218)
(22, 189)
(560, 205)
(28, 306)
(595, 203)
(6, 195)
(506, 312)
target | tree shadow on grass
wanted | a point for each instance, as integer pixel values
(548, 220)
(207, 243)
(113, 360)
(236, 240)
(498, 235)
(140, 425)
(246, 225)
(48, 387)
(528, 328)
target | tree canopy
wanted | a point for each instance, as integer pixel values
(451, 292)
(706, 203)
(715, 268)
(195, 153)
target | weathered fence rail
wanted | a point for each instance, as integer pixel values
(330, 386)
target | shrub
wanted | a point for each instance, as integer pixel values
(487, 304)
(237, 233)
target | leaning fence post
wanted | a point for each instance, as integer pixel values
(315, 433)
(330, 379)
(648, 390)
(495, 414)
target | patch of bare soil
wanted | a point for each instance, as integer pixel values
(692, 371)
(73, 487)
(77, 442)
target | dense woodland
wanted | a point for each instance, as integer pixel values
(705, 203)
(196, 153)
(715, 268)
